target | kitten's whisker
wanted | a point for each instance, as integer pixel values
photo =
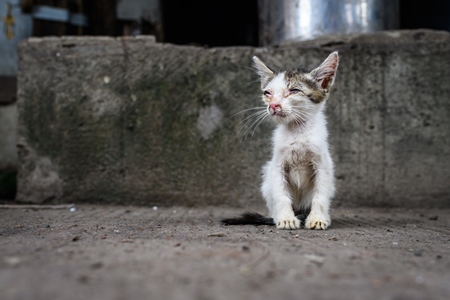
(302, 113)
(254, 115)
(253, 81)
(242, 111)
(250, 119)
(251, 115)
(255, 123)
(302, 110)
(305, 115)
(300, 118)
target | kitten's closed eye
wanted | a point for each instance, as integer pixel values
(267, 93)
(295, 91)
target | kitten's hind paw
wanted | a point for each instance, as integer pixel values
(288, 223)
(317, 222)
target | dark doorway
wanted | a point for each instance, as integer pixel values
(431, 14)
(210, 23)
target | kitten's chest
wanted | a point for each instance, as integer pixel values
(298, 155)
(299, 166)
(294, 148)
(298, 147)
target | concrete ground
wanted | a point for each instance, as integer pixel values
(110, 252)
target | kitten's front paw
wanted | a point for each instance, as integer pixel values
(288, 223)
(317, 222)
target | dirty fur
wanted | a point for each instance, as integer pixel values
(300, 175)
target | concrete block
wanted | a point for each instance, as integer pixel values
(131, 121)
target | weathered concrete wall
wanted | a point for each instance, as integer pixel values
(133, 121)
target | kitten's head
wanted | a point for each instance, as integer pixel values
(296, 95)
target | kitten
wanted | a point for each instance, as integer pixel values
(299, 177)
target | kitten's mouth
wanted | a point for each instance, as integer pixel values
(276, 111)
(281, 115)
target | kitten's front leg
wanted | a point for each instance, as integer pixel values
(319, 217)
(277, 197)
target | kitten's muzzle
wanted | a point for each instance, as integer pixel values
(275, 109)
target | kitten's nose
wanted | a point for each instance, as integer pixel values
(275, 108)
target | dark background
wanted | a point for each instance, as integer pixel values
(211, 23)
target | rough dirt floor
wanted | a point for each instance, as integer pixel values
(110, 252)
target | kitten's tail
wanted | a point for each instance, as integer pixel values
(252, 218)
(249, 218)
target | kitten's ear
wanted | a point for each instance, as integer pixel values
(264, 72)
(325, 74)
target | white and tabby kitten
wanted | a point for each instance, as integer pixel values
(299, 177)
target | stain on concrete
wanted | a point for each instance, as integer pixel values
(209, 120)
(37, 177)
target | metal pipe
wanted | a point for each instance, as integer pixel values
(282, 20)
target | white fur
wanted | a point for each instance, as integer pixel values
(312, 137)
(299, 146)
